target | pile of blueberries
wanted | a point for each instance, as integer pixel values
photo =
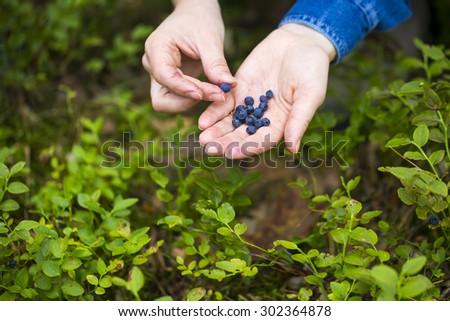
(250, 115)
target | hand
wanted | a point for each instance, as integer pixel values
(189, 40)
(293, 61)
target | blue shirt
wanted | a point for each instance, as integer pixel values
(346, 22)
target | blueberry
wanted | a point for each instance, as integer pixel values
(258, 112)
(265, 121)
(262, 98)
(258, 123)
(250, 120)
(249, 100)
(250, 109)
(226, 87)
(434, 220)
(269, 94)
(263, 105)
(236, 123)
(239, 108)
(241, 115)
(12, 263)
(251, 130)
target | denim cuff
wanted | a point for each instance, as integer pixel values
(346, 22)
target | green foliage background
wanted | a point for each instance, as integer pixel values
(75, 226)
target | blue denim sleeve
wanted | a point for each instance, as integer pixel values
(346, 22)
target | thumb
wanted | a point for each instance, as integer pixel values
(214, 64)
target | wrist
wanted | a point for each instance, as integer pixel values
(312, 35)
(178, 3)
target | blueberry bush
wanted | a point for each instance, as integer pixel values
(102, 198)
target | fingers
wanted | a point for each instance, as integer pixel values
(301, 114)
(223, 139)
(214, 63)
(163, 67)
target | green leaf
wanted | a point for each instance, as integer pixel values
(196, 294)
(396, 142)
(50, 268)
(386, 278)
(437, 156)
(26, 225)
(384, 256)
(17, 188)
(16, 168)
(226, 265)
(135, 280)
(99, 290)
(354, 258)
(71, 263)
(164, 195)
(438, 187)
(105, 282)
(226, 213)
(339, 235)
(362, 234)
(427, 118)
(368, 216)
(188, 238)
(415, 286)
(339, 290)
(101, 266)
(434, 52)
(286, 244)
(172, 220)
(72, 288)
(43, 282)
(4, 171)
(10, 206)
(403, 251)
(411, 88)
(414, 155)
(239, 228)
(21, 278)
(159, 178)
(225, 231)
(421, 135)
(353, 183)
(414, 265)
(123, 204)
(207, 213)
(313, 280)
(406, 197)
(92, 279)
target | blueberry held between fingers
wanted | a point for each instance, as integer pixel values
(269, 94)
(262, 98)
(263, 105)
(265, 121)
(226, 87)
(250, 109)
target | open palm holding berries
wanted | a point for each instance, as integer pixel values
(292, 62)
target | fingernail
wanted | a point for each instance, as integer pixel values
(228, 78)
(195, 95)
(296, 146)
(217, 97)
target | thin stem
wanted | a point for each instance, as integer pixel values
(427, 159)
(441, 119)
